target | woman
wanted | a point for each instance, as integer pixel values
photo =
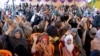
(43, 47)
(67, 47)
(17, 38)
(20, 50)
(77, 41)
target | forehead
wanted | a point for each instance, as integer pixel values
(17, 32)
(69, 39)
(44, 39)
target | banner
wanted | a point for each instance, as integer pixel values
(62, 1)
(30, 0)
(70, 0)
(54, 0)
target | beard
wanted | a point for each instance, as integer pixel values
(69, 47)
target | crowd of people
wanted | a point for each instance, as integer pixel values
(47, 30)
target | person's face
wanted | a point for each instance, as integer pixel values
(74, 34)
(17, 35)
(69, 41)
(44, 41)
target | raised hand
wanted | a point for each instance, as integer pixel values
(35, 38)
(11, 28)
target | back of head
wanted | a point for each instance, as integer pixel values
(52, 31)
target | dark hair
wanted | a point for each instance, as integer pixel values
(63, 30)
(58, 24)
(52, 31)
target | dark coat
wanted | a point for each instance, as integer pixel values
(96, 22)
(10, 42)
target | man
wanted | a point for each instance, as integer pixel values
(95, 43)
(68, 48)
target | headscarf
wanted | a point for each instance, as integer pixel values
(20, 50)
(45, 37)
(77, 39)
(18, 30)
(69, 47)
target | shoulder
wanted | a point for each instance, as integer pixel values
(93, 41)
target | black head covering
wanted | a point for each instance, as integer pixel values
(18, 30)
(20, 50)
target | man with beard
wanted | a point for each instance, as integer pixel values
(68, 48)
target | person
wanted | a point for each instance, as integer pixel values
(95, 43)
(1, 30)
(24, 25)
(96, 22)
(54, 38)
(20, 50)
(78, 42)
(86, 38)
(43, 47)
(16, 38)
(92, 32)
(68, 48)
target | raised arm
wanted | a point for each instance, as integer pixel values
(33, 50)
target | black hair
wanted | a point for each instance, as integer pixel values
(52, 31)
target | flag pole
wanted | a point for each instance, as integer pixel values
(13, 11)
(92, 3)
(74, 2)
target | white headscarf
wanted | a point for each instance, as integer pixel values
(69, 47)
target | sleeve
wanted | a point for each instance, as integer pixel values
(95, 22)
(5, 41)
(4, 37)
(33, 18)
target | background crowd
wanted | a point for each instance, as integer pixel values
(45, 30)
